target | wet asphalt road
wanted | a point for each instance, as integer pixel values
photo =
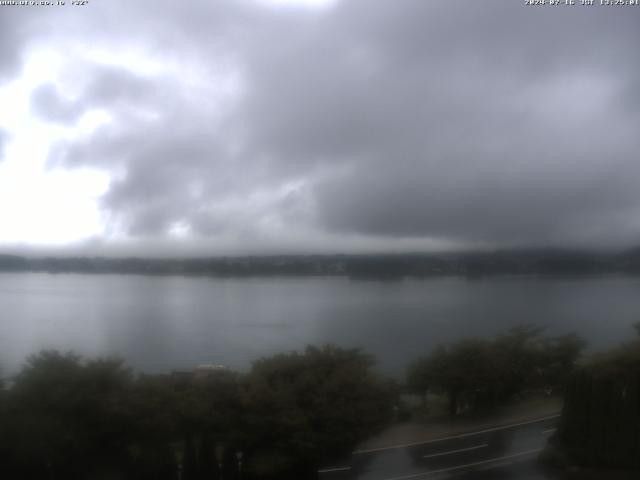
(506, 452)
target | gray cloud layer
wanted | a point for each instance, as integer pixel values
(470, 122)
(4, 136)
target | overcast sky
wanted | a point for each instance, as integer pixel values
(258, 126)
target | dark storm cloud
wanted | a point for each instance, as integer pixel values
(172, 162)
(477, 122)
(482, 122)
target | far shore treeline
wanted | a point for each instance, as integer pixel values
(472, 264)
(63, 416)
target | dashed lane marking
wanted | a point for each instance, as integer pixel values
(451, 452)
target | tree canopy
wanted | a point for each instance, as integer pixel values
(480, 373)
(68, 417)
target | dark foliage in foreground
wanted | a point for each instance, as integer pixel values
(68, 418)
(477, 374)
(599, 423)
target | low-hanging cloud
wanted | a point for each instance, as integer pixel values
(476, 123)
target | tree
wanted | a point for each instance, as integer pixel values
(306, 409)
(519, 357)
(68, 419)
(599, 422)
(187, 420)
(464, 371)
(4, 443)
(476, 374)
(558, 358)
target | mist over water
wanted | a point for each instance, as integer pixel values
(158, 324)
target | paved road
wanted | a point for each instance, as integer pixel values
(507, 452)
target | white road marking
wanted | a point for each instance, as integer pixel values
(453, 437)
(550, 430)
(450, 452)
(337, 469)
(475, 464)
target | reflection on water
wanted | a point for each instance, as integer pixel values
(164, 323)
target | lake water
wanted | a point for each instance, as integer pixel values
(158, 324)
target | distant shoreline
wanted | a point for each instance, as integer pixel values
(360, 278)
(472, 265)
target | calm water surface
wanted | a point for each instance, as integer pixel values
(163, 323)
